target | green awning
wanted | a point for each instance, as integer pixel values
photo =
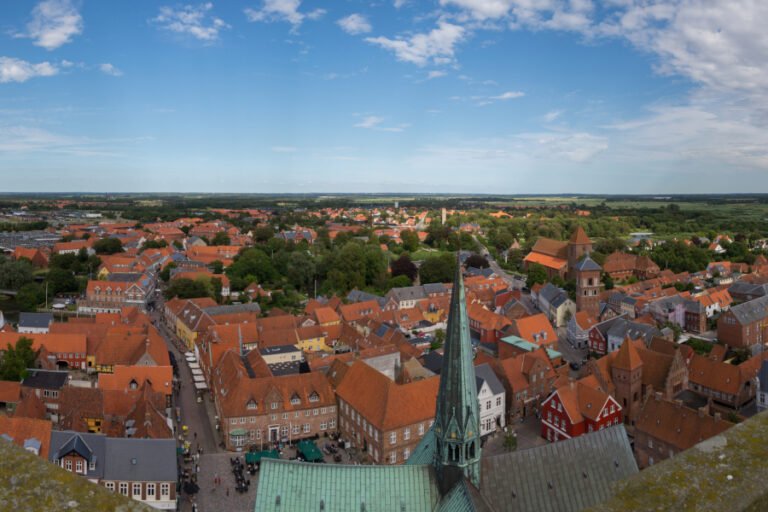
(254, 457)
(309, 451)
(238, 432)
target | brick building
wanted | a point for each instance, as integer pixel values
(745, 325)
(381, 418)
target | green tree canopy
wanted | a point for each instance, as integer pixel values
(108, 246)
(17, 359)
(438, 269)
(188, 289)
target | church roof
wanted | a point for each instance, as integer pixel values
(627, 357)
(580, 237)
(587, 264)
(565, 476)
(288, 486)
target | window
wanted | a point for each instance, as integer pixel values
(407, 434)
(315, 412)
(306, 428)
(307, 413)
(273, 417)
(323, 410)
(393, 438)
(258, 434)
(165, 490)
(421, 429)
(69, 465)
(314, 397)
(498, 401)
(252, 419)
(295, 429)
(295, 400)
(332, 423)
(242, 420)
(79, 466)
(274, 405)
(323, 426)
(233, 421)
(296, 414)
(92, 465)
(151, 492)
(284, 431)
(487, 405)
(650, 443)
(406, 453)
(124, 488)
(393, 458)
(285, 415)
(136, 491)
(251, 405)
(110, 486)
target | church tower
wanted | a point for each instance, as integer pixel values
(457, 419)
(578, 245)
(627, 375)
(587, 275)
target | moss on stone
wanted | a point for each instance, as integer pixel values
(28, 483)
(727, 472)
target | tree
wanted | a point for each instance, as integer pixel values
(153, 244)
(608, 281)
(108, 246)
(30, 296)
(61, 280)
(300, 270)
(263, 234)
(410, 240)
(477, 261)
(17, 359)
(188, 289)
(251, 265)
(536, 274)
(399, 282)
(216, 266)
(403, 266)
(438, 269)
(220, 238)
(510, 441)
(165, 274)
(14, 274)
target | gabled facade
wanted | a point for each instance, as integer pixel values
(576, 409)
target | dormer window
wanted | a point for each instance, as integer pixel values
(314, 397)
(251, 405)
(274, 405)
(133, 384)
(295, 400)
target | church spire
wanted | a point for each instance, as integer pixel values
(457, 420)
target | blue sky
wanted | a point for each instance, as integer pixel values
(480, 96)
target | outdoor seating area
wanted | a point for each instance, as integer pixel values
(239, 470)
(308, 451)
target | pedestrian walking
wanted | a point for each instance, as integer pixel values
(197, 468)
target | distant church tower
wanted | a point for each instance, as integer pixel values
(587, 276)
(457, 420)
(578, 245)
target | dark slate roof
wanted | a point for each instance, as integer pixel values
(565, 476)
(549, 292)
(361, 296)
(124, 277)
(45, 379)
(434, 288)
(433, 361)
(744, 288)
(751, 311)
(484, 373)
(485, 272)
(149, 460)
(279, 349)
(63, 442)
(75, 444)
(587, 264)
(623, 328)
(250, 307)
(35, 320)
(287, 368)
(408, 293)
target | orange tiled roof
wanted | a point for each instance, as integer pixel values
(159, 377)
(546, 260)
(21, 429)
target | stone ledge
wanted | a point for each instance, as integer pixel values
(726, 472)
(28, 483)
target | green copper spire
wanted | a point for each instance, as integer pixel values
(457, 420)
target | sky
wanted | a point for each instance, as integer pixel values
(416, 96)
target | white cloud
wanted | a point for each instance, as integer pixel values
(400, 3)
(435, 74)
(436, 46)
(370, 122)
(509, 95)
(282, 10)
(375, 123)
(355, 24)
(54, 23)
(552, 115)
(109, 69)
(16, 70)
(192, 20)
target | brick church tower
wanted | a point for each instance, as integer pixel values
(627, 374)
(587, 275)
(578, 245)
